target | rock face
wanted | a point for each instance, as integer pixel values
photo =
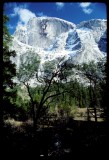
(53, 37)
(96, 26)
(42, 32)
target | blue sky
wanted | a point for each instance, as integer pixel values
(20, 13)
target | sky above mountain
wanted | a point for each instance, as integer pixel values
(20, 13)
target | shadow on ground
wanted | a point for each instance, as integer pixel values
(64, 141)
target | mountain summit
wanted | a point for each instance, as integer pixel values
(51, 38)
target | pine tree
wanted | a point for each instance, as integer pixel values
(9, 68)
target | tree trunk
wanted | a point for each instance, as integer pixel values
(95, 114)
(33, 113)
(88, 116)
(32, 104)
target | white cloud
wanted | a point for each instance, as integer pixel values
(87, 10)
(59, 5)
(23, 14)
(85, 7)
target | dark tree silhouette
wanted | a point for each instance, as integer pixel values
(9, 68)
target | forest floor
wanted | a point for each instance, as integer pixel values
(62, 141)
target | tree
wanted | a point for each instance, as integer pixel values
(94, 72)
(46, 78)
(9, 68)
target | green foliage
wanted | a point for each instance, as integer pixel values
(6, 36)
(17, 106)
(95, 73)
(9, 71)
(48, 67)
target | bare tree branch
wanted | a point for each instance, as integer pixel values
(53, 96)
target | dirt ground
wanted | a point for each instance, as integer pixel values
(64, 140)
